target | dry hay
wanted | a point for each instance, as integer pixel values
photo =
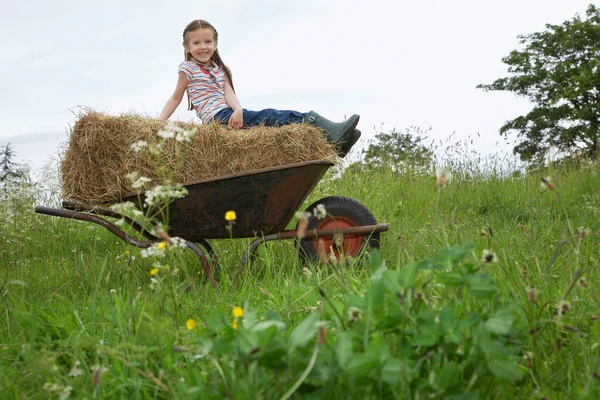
(99, 153)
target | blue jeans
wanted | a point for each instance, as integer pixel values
(267, 117)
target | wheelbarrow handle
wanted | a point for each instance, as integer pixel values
(96, 220)
(82, 207)
(83, 216)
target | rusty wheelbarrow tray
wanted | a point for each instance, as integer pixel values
(265, 202)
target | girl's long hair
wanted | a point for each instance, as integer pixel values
(216, 58)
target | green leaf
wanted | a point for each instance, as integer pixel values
(304, 332)
(407, 276)
(458, 253)
(448, 375)
(353, 300)
(452, 278)
(262, 325)
(429, 334)
(501, 322)
(504, 368)
(343, 349)
(361, 365)
(375, 294)
(395, 372)
(375, 258)
(448, 320)
(446, 256)
(481, 286)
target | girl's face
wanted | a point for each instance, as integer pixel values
(201, 45)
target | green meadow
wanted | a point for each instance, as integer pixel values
(485, 287)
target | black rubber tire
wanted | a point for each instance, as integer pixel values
(338, 207)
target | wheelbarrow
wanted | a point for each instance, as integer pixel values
(265, 201)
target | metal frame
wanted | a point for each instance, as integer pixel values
(83, 212)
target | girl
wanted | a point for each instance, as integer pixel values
(210, 92)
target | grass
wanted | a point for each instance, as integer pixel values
(80, 316)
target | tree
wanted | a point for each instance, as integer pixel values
(11, 173)
(559, 72)
(399, 150)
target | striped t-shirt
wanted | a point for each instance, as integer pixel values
(206, 88)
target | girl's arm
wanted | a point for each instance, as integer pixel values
(175, 99)
(237, 118)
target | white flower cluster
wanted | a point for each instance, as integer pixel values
(123, 208)
(319, 211)
(161, 195)
(178, 242)
(153, 251)
(140, 182)
(172, 131)
(139, 145)
(58, 388)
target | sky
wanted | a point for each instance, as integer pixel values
(399, 64)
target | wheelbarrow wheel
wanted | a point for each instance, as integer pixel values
(341, 212)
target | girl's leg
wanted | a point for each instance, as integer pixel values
(272, 117)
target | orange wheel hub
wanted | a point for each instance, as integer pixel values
(351, 243)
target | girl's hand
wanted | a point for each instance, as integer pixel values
(236, 120)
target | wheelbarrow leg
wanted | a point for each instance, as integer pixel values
(203, 261)
(209, 250)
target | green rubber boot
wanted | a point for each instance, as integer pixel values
(346, 146)
(336, 132)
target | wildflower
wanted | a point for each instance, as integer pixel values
(353, 315)
(443, 177)
(235, 324)
(161, 245)
(76, 370)
(319, 211)
(140, 182)
(178, 242)
(190, 324)
(123, 207)
(583, 232)
(321, 334)
(154, 271)
(153, 251)
(547, 183)
(230, 216)
(166, 133)
(97, 375)
(184, 136)
(563, 307)
(139, 145)
(488, 257)
(164, 194)
(302, 224)
(531, 295)
(322, 252)
(238, 312)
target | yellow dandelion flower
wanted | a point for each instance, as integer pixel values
(127, 252)
(190, 324)
(235, 324)
(161, 245)
(230, 216)
(154, 271)
(238, 312)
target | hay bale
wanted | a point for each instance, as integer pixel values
(99, 153)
